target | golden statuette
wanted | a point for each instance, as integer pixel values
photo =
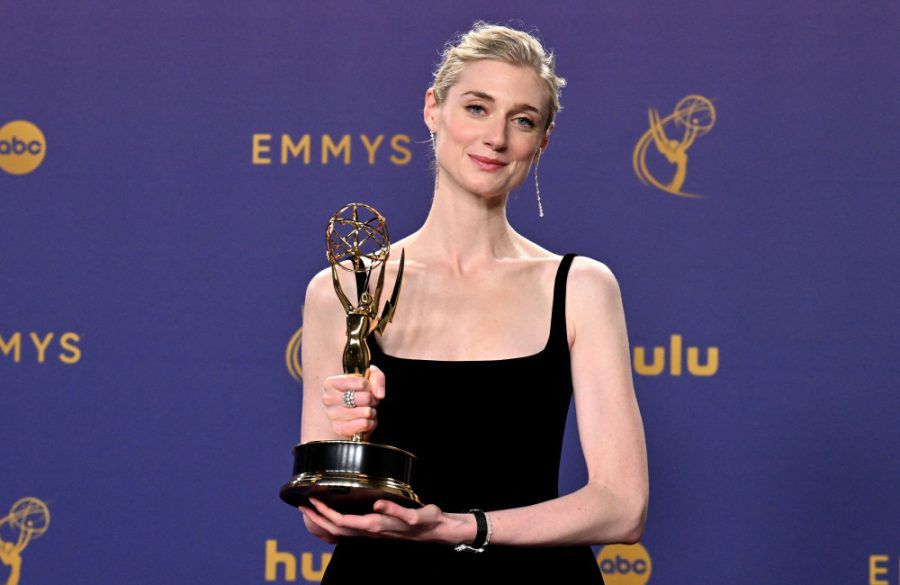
(351, 475)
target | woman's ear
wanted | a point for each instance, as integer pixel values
(429, 112)
(545, 141)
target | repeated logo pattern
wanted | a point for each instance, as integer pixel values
(22, 147)
(27, 520)
(692, 117)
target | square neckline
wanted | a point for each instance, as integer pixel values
(546, 348)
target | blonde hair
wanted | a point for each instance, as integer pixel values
(501, 43)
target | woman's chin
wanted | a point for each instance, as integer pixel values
(491, 198)
(488, 191)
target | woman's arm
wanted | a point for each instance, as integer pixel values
(321, 350)
(319, 358)
(612, 506)
(324, 324)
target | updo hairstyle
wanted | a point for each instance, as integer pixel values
(500, 43)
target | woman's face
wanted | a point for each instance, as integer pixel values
(490, 126)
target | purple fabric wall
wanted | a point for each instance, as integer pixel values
(159, 430)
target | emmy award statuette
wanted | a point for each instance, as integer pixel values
(349, 476)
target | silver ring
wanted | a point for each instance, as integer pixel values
(350, 398)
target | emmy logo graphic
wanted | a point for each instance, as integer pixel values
(693, 116)
(292, 354)
(28, 518)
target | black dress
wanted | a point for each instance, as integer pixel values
(495, 445)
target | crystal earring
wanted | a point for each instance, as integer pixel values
(434, 150)
(537, 188)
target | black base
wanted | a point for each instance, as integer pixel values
(350, 476)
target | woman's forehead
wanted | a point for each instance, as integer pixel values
(503, 82)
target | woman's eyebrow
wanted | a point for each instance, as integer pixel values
(489, 98)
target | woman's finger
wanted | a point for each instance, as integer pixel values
(325, 534)
(341, 413)
(371, 524)
(421, 518)
(351, 427)
(325, 524)
(322, 531)
(333, 516)
(406, 515)
(376, 381)
(345, 382)
(333, 397)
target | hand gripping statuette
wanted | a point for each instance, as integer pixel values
(351, 475)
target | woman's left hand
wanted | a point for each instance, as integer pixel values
(390, 520)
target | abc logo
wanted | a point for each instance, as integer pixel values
(22, 147)
(624, 564)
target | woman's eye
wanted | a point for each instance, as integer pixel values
(521, 121)
(526, 122)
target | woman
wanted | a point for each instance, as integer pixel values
(492, 337)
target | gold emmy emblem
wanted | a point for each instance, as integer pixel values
(28, 519)
(695, 116)
(351, 475)
(292, 354)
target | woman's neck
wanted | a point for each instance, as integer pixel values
(465, 231)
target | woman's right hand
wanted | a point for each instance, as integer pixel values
(366, 392)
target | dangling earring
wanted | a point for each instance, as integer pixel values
(436, 169)
(537, 188)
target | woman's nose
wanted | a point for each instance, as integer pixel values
(495, 134)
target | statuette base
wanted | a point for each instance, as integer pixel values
(350, 476)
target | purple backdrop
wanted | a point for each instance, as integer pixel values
(158, 431)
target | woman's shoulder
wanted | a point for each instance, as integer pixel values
(591, 287)
(584, 272)
(585, 268)
(320, 293)
(588, 275)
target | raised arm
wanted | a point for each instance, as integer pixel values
(323, 342)
(324, 417)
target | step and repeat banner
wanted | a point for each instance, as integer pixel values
(167, 171)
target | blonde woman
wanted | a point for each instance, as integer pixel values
(493, 338)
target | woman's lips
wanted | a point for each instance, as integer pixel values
(487, 164)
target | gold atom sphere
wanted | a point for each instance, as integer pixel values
(697, 112)
(30, 515)
(357, 232)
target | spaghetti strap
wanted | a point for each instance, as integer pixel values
(558, 337)
(360, 284)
